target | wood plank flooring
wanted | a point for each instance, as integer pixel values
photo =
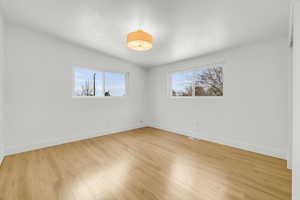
(146, 163)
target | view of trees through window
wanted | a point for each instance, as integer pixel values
(93, 83)
(206, 81)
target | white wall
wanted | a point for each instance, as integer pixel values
(254, 113)
(2, 62)
(40, 109)
(296, 103)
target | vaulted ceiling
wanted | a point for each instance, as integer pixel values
(181, 28)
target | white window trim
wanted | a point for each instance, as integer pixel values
(103, 85)
(193, 69)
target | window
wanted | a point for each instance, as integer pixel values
(93, 83)
(182, 84)
(204, 81)
(115, 84)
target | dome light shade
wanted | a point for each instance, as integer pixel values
(139, 40)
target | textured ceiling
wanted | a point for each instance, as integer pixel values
(181, 28)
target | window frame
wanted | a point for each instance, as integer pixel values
(103, 83)
(193, 69)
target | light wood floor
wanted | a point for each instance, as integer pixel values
(143, 164)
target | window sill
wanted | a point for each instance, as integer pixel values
(196, 97)
(99, 97)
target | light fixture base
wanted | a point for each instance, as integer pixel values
(139, 40)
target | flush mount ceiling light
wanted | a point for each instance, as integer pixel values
(139, 40)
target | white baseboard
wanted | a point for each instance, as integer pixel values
(29, 147)
(249, 147)
(278, 153)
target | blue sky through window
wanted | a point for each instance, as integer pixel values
(115, 83)
(181, 82)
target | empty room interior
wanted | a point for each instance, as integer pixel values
(150, 100)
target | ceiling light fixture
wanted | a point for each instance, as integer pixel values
(139, 40)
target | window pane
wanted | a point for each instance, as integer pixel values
(209, 81)
(182, 84)
(87, 83)
(115, 84)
